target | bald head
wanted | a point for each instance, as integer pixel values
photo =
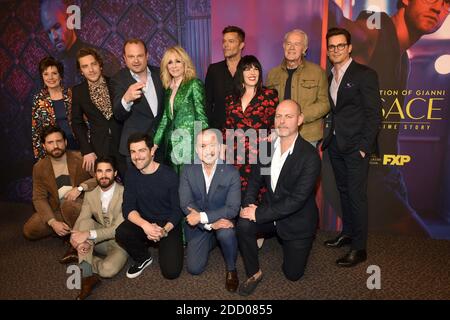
(208, 146)
(288, 118)
(290, 104)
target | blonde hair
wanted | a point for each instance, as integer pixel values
(189, 68)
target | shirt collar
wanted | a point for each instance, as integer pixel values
(213, 169)
(291, 148)
(299, 67)
(343, 68)
(136, 77)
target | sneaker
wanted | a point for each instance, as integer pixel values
(137, 268)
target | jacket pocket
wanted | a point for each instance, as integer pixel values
(309, 84)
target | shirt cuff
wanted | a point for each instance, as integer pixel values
(92, 235)
(127, 106)
(203, 217)
(49, 222)
(208, 226)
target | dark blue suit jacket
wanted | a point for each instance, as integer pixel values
(222, 201)
(356, 117)
(140, 118)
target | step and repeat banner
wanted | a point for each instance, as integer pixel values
(406, 42)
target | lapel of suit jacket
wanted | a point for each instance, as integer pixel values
(177, 100)
(113, 205)
(266, 167)
(330, 78)
(97, 210)
(142, 101)
(158, 88)
(215, 180)
(200, 181)
(51, 177)
(72, 168)
(85, 91)
(345, 80)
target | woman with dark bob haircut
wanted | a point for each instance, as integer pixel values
(52, 106)
(251, 107)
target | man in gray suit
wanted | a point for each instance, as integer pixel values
(138, 94)
(95, 229)
(210, 197)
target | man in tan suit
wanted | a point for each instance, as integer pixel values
(95, 229)
(58, 182)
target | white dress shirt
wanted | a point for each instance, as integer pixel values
(208, 179)
(278, 161)
(336, 81)
(105, 199)
(106, 196)
(149, 93)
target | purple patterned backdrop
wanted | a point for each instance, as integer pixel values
(106, 24)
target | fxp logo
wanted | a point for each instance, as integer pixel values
(396, 160)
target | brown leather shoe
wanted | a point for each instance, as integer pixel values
(71, 256)
(231, 281)
(87, 286)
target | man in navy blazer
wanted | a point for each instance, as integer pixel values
(210, 197)
(355, 121)
(288, 208)
(138, 94)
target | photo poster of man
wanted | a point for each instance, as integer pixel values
(33, 29)
(408, 44)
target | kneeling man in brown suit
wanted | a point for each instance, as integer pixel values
(58, 184)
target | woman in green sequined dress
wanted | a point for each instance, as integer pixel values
(184, 105)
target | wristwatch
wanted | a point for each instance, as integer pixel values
(80, 188)
(165, 232)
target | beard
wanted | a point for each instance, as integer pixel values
(105, 182)
(57, 153)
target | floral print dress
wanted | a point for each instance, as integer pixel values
(259, 115)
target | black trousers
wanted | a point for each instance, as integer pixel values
(351, 174)
(295, 252)
(134, 240)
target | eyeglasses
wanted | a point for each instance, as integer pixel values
(445, 3)
(340, 47)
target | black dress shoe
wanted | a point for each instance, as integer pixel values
(352, 258)
(247, 288)
(339, 241)
(87, 286)
(231, 281)
(71, 256)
